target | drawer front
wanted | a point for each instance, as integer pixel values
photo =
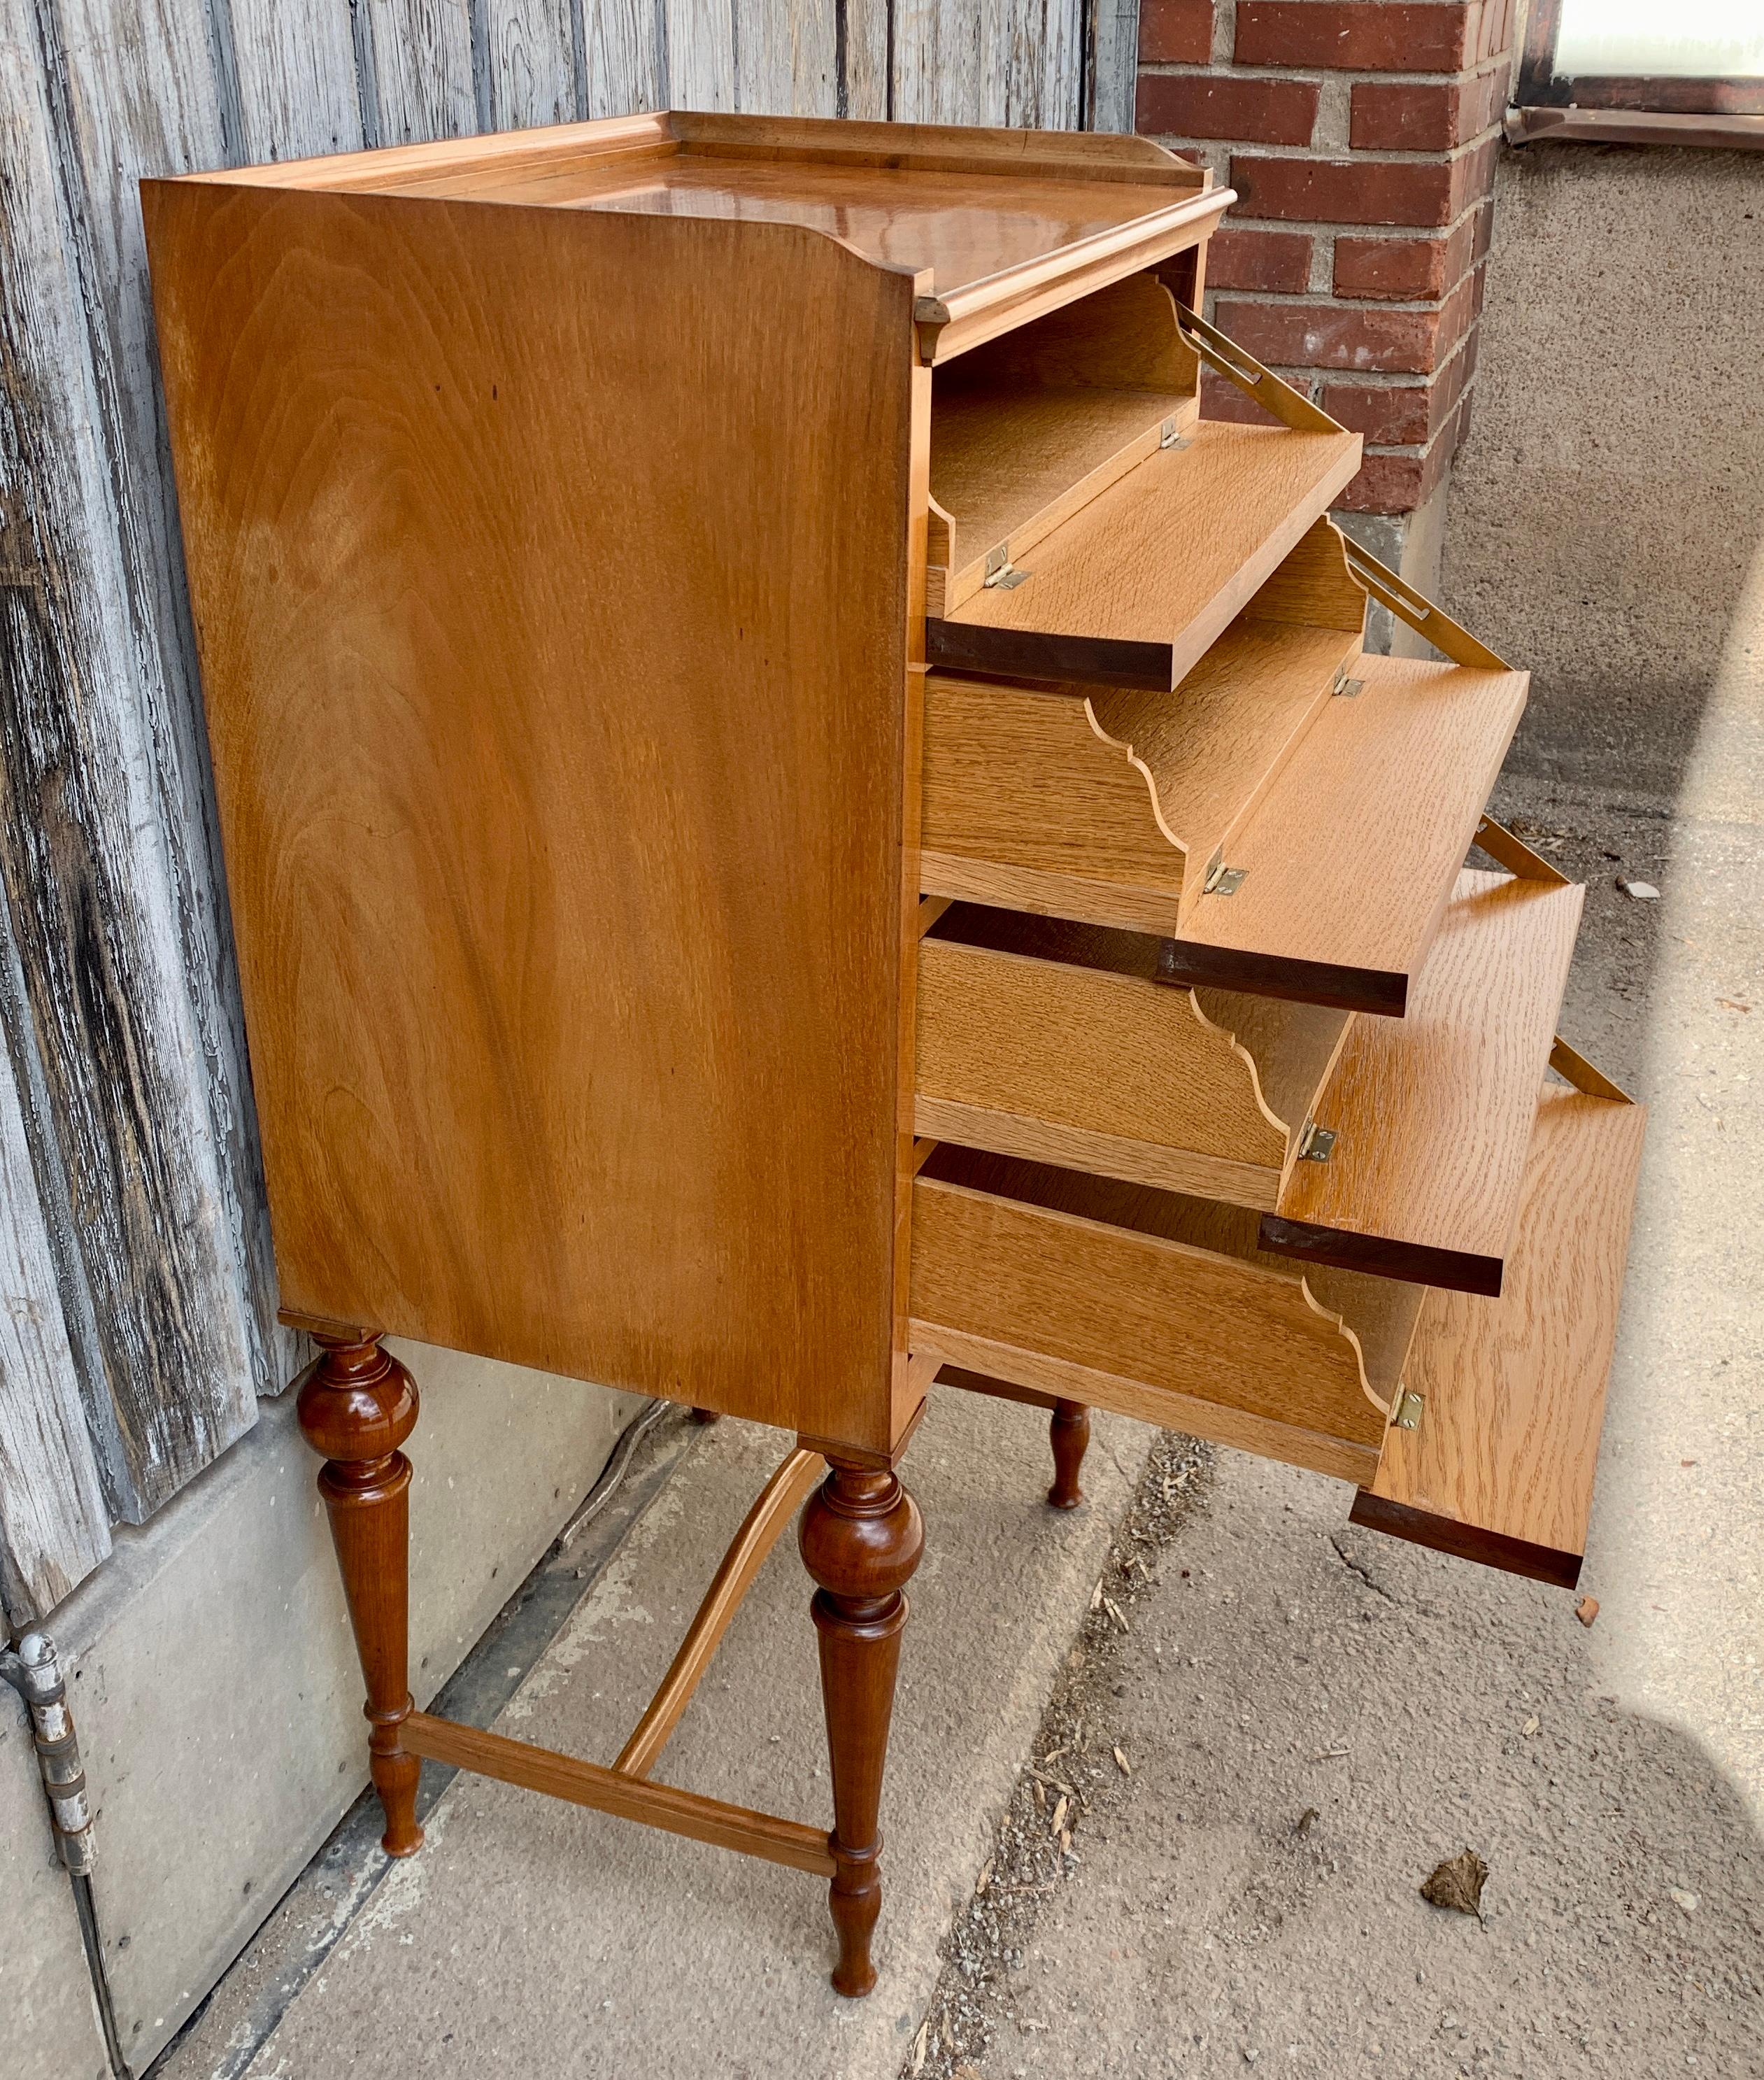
(1157, 1329)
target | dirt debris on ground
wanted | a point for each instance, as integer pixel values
(1077, 1766)
(1314, 1716)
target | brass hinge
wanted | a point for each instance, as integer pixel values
(1407, 1409)
(1223, 880)
(999, 570)
(1317, 1143)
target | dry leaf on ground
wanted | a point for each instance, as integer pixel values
(1457, 1884)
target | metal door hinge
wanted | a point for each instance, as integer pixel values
(1169, 436)
(1346, 688)
(999, 570)
(35, 1672)
(1407, 1409)
(1223, 880)
(1317, 1143)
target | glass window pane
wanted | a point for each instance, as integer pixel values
(1661, 39)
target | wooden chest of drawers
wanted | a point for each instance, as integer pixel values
(796, 820)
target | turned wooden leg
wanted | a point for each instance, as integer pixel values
(358, 1404)
(1069, 1433)
(860, 1539)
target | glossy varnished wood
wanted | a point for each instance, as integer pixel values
(923, 197)
(1514, 1388)
(776, 1505)
(523, 863)
(357, 1405)
(1432, 1113)
(613, 1791)
(861, 1538)
(1133, 589)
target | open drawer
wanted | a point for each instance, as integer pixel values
(1416, 1163)
(1154, 1304)
(1500, 1466)
(1032, 425)
(1292, 818)
(1395, 1147)
(1056, 1042)
(1134, 587)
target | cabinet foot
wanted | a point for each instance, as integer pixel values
(358, 1404)
(1069, 1433)
(861, 1538)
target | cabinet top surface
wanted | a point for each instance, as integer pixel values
(965, 204)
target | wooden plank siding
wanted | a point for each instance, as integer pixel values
(137, 1289)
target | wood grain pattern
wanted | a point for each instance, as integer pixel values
(959, 63)
(529, 60)
(787, 59)
(936, 221)
(714, 1222)
(125, 1040)
(297, 88)
(1026, 803)
(1008, 468)
(1022, 808)
(700, 41)
(1433, 1112)
(1212, 750)
(1031, 426)
(54, 1527)
(1127, 1306)
(776, 1505)
(422, 82)
(1160, 564)
(1292, 1048)
(622, 57)
(1465, 1542)
(1058, 1378)
(1350, 855)
(700, 1819)
(1086, 1049)
(1515, 1387)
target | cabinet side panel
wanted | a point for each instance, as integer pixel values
(549, 573)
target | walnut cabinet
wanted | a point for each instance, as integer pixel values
(800, 822)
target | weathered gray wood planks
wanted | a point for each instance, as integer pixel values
(136, 1285)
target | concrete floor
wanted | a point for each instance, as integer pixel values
(1269, 1663)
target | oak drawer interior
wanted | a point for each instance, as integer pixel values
(1030, 426)
(1054, 1041)
(1134, 587)
(1155, 1303)
(1109, 804)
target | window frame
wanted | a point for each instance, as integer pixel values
(1631, 109)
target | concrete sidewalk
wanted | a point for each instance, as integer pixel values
(1313, 1717)
(533, 1936)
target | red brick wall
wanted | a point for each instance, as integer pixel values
(1361, 136)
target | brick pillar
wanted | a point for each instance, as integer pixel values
(1361, 136)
